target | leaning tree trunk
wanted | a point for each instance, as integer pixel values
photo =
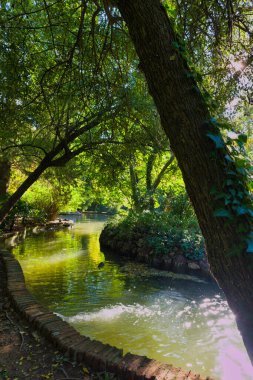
(5, 173)
(186, 121)
(29, 181)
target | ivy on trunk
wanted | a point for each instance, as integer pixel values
(187, 122)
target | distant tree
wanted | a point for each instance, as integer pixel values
(65, 103)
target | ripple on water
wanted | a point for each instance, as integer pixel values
(173, 318)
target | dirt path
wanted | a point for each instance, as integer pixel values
(24, 355)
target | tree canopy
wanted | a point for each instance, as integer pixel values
(99, 80)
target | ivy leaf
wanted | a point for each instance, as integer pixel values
(222, 196)
(227, 201)
(228, 158)
(229, 182)
(242, 138)
(213, 120)
(250, 212)
(232, 192)
(241, 210)
(250, 243)
(175, 44)
(219, 143)
(241, 171)
(222, 213)
(189, 74)
(240, 194)
(213, 190)
(240, 162)
(250, 247)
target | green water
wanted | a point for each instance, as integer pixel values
(172, 318)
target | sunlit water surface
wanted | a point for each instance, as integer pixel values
(173, 318)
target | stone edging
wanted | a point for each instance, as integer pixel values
(134, 249)
(99, 356)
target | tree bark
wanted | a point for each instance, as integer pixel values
(185, 118)
(134, 188)
(149, 191)
(5, 173)
(29, 181)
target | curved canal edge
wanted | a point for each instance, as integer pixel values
(99, 356)
(135, 249)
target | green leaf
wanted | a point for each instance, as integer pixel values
(229, 182)
(213, 190)
(228, 158)
(227, 201)
(222, 213)
(250, 246)
(240, 194)
(240, 162)
(213, 120)
(243, 138)
(175, 44)
(222, 196)
(217, 139)
(232, 192)
(241, 210)
(189, 74)
(241, 171)
(250, 243)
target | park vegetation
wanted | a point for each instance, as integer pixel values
(144, 105)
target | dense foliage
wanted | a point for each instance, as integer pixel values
(73, 88)
(162, 232)
(81, 89)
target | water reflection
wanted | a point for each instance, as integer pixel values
(176, 319)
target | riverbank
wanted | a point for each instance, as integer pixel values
(24, 354)
(141, 240)
(10, 239)
(43, 323)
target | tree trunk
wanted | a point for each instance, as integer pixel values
(186, 121)
(29, 181)
(5, 173)
(134, 188)
(51, 160)
(148, 198)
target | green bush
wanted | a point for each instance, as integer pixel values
(162, 232)
(23, 211)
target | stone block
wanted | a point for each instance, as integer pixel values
(114, 360)
(193, 266)
(66, 342)
(77, 350)
(162, 371)
(149, 369)
(179, 264)
(54, 328)
(32, 313)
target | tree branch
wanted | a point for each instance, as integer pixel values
(162, 172)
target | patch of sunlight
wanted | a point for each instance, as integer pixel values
(48, 262)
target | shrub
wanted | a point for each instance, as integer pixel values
(162, 232)
(24, 212)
